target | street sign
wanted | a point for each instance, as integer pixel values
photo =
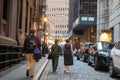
(39, 33)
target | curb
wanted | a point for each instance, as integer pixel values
(38, 75)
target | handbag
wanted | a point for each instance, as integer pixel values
(36, 51)
(49, 56)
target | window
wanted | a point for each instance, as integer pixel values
(30, 16)
(117, 45)
(26, 22)
(111, 5)
(5, 9)
(119, 30)
(5, 16)
(20, 17)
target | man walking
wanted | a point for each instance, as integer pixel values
(29, 45)
(55, 50)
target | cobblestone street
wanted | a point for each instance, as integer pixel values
(79, 71)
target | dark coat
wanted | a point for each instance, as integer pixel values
(44, 48)
(56, 50)
(25, 48)
(68, 58)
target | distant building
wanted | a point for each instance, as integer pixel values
(58, 13)
(73, 13)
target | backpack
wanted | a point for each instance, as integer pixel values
(55, 49)
(31, 42)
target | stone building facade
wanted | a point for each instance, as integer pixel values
(108, 20)
(16, 18)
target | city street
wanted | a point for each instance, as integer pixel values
(89, 29)
(79, 71)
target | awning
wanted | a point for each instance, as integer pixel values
(82, 22)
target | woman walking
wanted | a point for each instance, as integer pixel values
(68, 55)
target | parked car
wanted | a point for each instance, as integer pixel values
(91, 57)
(83, 53)
(78, 54)
(114, 66)
(99, 55)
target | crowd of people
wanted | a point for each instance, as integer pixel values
(34, 49)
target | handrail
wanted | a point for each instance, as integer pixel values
(11, 60)
(10, 53)
(10, 45)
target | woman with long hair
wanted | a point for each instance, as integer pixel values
(68, 55)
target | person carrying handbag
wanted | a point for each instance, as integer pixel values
(55, 50)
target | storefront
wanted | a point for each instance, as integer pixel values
(84, 30)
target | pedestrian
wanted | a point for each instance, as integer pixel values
(55, 51)
(44, 49)
(68, 55)
(29, 45)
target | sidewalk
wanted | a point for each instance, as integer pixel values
(18, 72)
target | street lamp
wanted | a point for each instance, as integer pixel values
(45, 20)
(46, 36)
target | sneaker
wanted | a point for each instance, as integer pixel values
(67, 71)
(64, 71)
(27, 73)
(31, 76)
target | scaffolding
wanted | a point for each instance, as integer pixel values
(88, 8)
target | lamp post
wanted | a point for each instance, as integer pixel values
(46, 36)
(45, 20)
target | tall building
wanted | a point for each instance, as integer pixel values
(84, 27)
(73, 14)
(108, 20)
(58, 13)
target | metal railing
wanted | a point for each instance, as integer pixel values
(10, 55)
